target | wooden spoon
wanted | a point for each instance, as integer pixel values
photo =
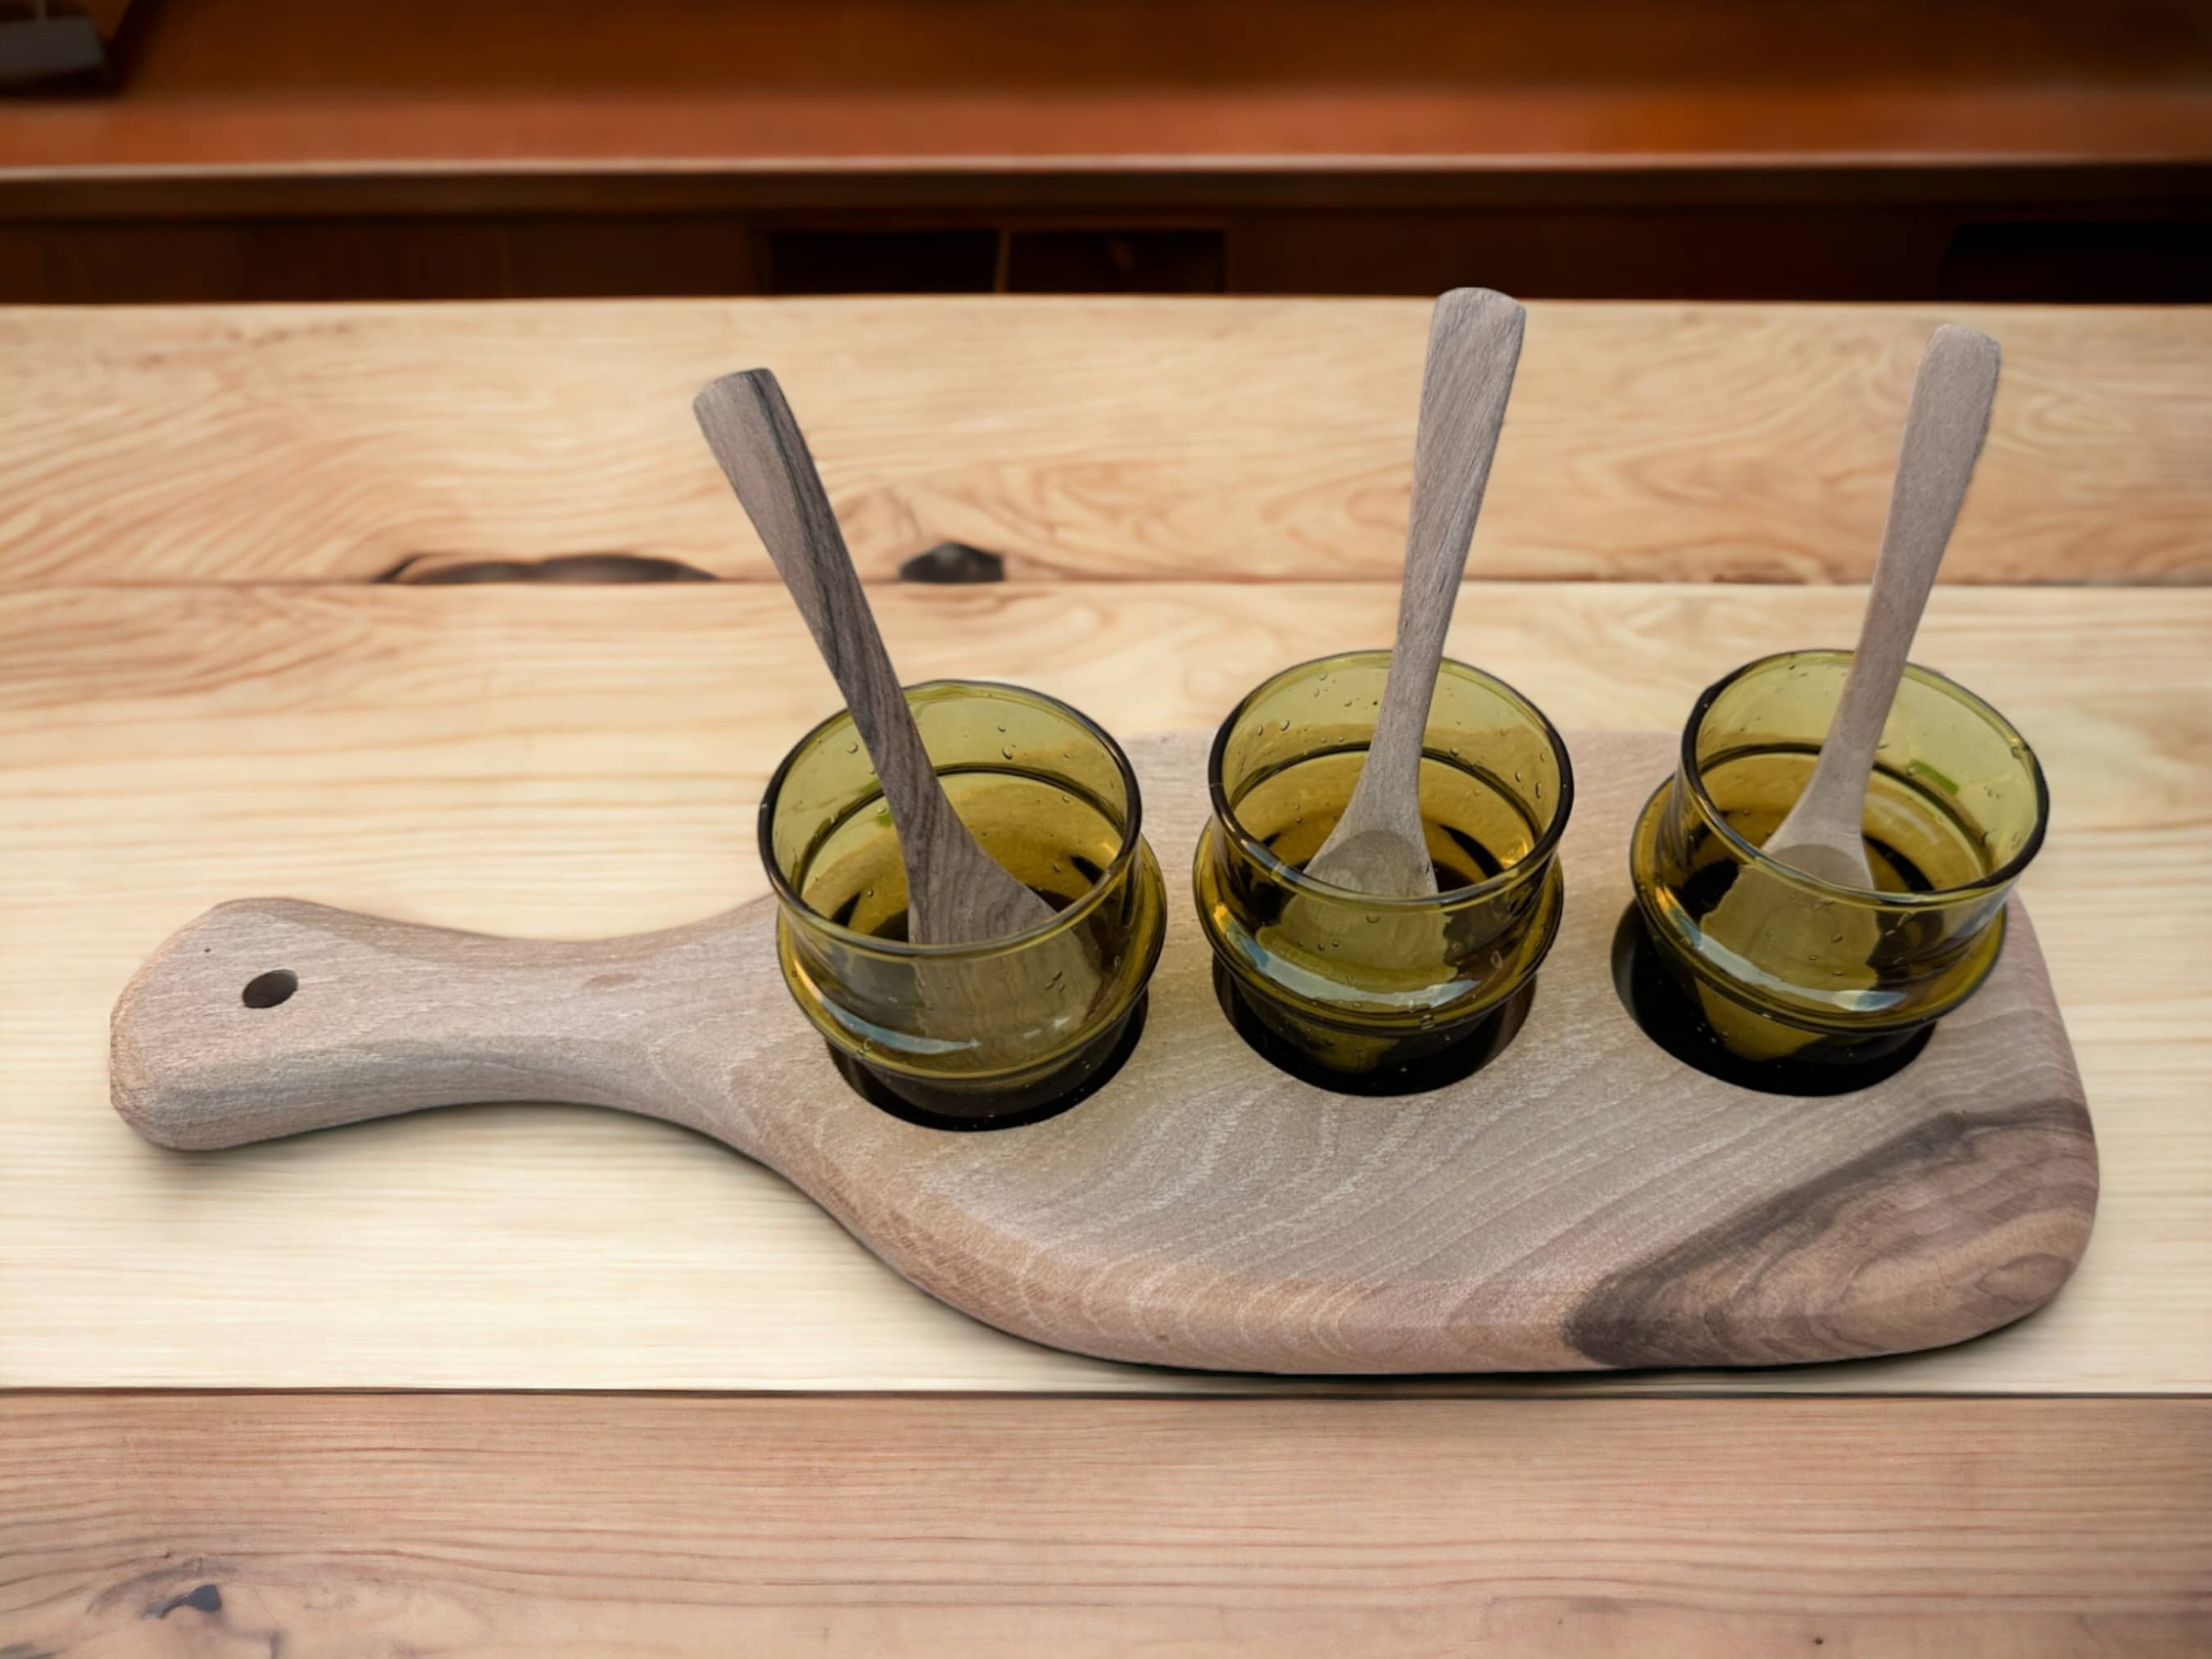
(1378, 846)
(1006, 1010)
(1948, 418)
(1823, 835)
(956, 891)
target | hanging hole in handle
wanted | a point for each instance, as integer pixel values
(267, 990)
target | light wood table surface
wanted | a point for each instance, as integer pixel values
(535, 1380)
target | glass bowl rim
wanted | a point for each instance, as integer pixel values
(1539, 852)
(1115, 871)
(1996, 880)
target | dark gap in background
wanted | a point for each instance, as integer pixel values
(1851, 249)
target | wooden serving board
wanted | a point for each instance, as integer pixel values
(1586, 1201)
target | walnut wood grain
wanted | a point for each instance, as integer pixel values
(1082, 439)
(580, 764)
(1202, 1209)
(356, 1527)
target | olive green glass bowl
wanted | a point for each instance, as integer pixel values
(1784, 966)
(980, 1031)
(1350, 981)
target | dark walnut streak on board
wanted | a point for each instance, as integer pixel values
(1721, 1299)
(1585, 1201)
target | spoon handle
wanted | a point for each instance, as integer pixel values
(955, 890)
(1944, 426)
(1475, 346)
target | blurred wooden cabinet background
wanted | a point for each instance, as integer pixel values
(1860, 149)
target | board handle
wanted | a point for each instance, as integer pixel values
(270, 1017)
